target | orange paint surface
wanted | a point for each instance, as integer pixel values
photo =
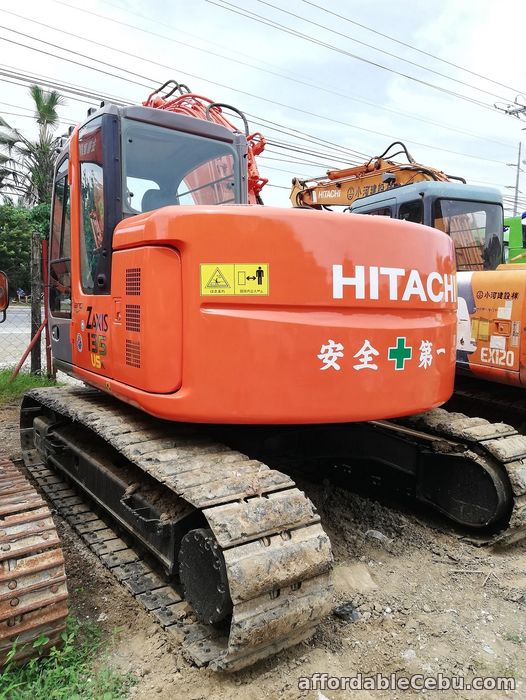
(298, 354)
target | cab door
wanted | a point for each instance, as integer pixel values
(96, 201)
(60, 267)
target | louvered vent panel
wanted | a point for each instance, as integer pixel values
(133, 317)
(133, 353)
(133, 281)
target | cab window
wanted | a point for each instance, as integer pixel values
(476, 230)
(92, 203)
(60, 249)
(163, 167)
(382, 211)
(412, 211)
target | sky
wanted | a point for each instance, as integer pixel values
(338, 101)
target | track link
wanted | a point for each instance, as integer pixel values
(33, 590)
(278, 558)
(494, 446)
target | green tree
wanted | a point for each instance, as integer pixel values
(15, 246)
(26, 166)
(16, 227)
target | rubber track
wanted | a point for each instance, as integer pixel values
(33, 590)
(277, 555)
(494, 443)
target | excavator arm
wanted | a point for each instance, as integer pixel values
(343, 187)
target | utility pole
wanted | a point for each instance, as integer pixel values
(514, 109)
(517, 179)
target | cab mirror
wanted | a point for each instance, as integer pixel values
(4, 295)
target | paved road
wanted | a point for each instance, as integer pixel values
(15, 335)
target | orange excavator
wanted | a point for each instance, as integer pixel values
(214, 334)
(375, 176)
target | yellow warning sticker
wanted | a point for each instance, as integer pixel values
(234, 279)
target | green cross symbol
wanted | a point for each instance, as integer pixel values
(400, 353)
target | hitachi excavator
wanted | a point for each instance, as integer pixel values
(491, 340)
(213, 333)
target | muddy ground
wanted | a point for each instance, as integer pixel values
(428, 602)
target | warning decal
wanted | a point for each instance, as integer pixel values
(217, 281)
(234, 279)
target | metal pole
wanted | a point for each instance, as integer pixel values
(35, 340)
(36, 305)
(515, 203)
(45, 279)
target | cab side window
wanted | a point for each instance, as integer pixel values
(412, 211)
(92, 204)
(383, 211)
(60, 248)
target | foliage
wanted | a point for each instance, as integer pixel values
(16, 227)
(71, 672)
(24, 382)
(26, 166)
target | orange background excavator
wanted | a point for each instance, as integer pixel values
(377, 175)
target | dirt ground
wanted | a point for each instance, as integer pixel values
(428, 602)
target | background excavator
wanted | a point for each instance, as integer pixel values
(214, 336)
(491, 337)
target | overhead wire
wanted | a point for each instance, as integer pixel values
(376, 48)
(67, 88)
(295, 79)
(409, 46)
(293, 32)
(244, 92)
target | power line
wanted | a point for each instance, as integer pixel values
(448, 127)
(376, 48)
(244, 92)
(30, 116)
(68, 88)
(298, 149)
(409, 46)
(277, 187)
(276, 25)
(128, 54)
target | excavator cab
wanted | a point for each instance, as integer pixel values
(472, 216)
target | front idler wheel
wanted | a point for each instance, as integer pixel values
(202, 571)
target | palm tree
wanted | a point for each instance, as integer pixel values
(26, 166)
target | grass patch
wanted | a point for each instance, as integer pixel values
(511, 637)
(75, 671)
(24, 382)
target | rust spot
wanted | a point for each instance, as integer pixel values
(6, 547)
(11, 585)
(14, 602)
(54, 588)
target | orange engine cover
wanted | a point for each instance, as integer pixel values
(243, 314)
